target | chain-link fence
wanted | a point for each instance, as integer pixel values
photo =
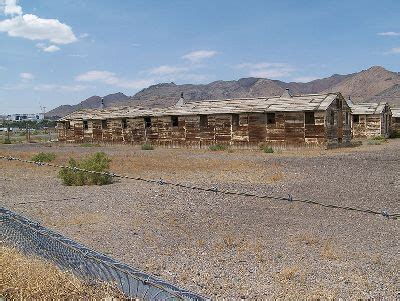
(32, 238)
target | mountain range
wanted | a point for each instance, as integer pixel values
(375, 84)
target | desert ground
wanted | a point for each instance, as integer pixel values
(227, 246)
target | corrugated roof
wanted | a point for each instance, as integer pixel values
(309, 102)
(367, 108)
(395, 112)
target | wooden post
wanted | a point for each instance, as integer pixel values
(8, 131)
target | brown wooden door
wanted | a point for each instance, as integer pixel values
(257, 127)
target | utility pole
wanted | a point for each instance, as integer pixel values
(27, 133)
(8, 130)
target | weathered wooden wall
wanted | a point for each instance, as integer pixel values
(371, 125)
(395, 124)
(337, 125)
(248, 129)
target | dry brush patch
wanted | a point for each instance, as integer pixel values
(24, 277)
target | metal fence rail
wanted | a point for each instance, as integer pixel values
(32, 238)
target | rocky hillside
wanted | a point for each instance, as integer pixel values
(373, 84)
(92, 102)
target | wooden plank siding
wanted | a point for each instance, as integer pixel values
(252, 130)
(372, 121)
(314, 119)
(395, 124)
(337, 125)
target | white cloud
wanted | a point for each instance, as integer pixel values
(63, 88)
(111, 78)
(50, 48)
(165, 69)
(304, 79)
(19, 86)
(11, 7)
(395, 50)
(388, 33)
(95, 75)
(34, 28)
(26, 76)
(269, 70)
(78, 55)
(197, 56)
(83, 35)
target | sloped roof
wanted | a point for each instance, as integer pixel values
(367, 108)
(297, 103)
(395, 112)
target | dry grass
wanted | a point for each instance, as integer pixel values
(329, 252)
(288, 273)
(276, 177)
(77, 219)
(30, 278)
(308, 239)
(170, 164)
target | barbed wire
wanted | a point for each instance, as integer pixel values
(289, 198)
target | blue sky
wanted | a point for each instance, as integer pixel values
(61, 52)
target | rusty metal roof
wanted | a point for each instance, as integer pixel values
(368, 108)
(284, 103)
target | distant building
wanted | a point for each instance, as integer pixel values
(396, 119)
(370, 119)
(314, 119)
(27, 117)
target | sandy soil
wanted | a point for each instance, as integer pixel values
(230, 246)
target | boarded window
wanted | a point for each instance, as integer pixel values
(104, 124)
(356, 118)
(85, 124)
(271, 118)
(235, 119)
(397, 119)
(347, 118)
(309, 118)
(332, 122)
(174, 121)
(68, 125)
(203, 121)
(147, 122)
(339, 103)
(124, 123)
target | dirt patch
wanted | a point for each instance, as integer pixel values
(230, 246)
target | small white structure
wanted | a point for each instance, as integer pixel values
(21, 117)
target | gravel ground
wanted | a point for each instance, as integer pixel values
(231, 246)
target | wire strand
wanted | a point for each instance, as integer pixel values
(384, 212)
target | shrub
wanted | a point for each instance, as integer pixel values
(395, 134)
(267, 149)
(7, 141)
(217, 147)
(99, 162)
(88, 144)
(147, 146)
(44, 157)
(378, 138)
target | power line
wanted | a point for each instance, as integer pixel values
(160, 181)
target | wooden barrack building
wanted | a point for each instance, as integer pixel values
(314, 119)
(396, 119)
(370, 119)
